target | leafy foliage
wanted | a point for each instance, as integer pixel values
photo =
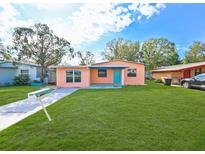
(122, 49)
(4, 53)
(21, 80)
(159, 52)
(40, 45)
(158, 81)
(154, 52)
(196, 53)
(87, 58)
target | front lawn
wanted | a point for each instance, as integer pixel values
(12, 94)
(151, 117)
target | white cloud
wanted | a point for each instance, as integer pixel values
(120, 10)
(139, 17)
(83, 24)
(9, 19)
(91, 22)
(94, 20)
(50, 6)
(160, 5)
(146, 10)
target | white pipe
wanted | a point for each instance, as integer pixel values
(123, 77)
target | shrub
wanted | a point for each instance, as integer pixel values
(21, 80)
(149, 78)
(159, 81)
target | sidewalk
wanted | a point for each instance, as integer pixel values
(14, 112)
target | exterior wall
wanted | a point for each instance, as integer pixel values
(8, 71)
(94, 79)
(6, 76)
(139, 79)
(61, 77)
(176, 76)
(32, 71)
(160, 75)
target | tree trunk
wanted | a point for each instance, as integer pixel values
(43, 74)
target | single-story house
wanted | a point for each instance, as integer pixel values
(111, 72)
(8, 70)
(178, 72)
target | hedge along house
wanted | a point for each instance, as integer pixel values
(115, 72)
(178, 72)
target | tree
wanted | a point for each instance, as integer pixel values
(87, 58)
(4, 53)
(159, 52)
(122, 49)
(196, 53)
(40, 45)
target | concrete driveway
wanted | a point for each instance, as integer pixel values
(14, 112)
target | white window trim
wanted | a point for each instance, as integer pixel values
(74, 76)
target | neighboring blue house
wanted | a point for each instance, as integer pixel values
(8, 71)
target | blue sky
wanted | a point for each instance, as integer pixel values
(91, 26)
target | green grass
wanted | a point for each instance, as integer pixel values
(151, 117)
(11, 94)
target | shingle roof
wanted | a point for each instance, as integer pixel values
(118, 60)
(68, 66)
(178, 67)
(20, 63)
(94, 65)
(109, 66)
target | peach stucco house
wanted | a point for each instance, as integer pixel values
(112, 72)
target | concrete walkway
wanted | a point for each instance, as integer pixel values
(14, 112)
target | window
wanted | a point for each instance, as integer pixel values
(102, 73)
(25, 72)
(200, 77)
(73, 76)
(69, 76)
(131, 72)
(77, 76)
(197, 71)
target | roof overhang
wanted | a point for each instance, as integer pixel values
(8, 67)
(177, 70)
(161, 71)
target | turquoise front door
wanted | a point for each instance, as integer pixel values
(116, 76)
